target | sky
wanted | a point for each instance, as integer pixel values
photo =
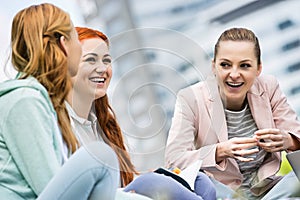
(8, 11)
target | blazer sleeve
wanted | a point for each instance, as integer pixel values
(283, 115)
(181, 149)
(29, 133)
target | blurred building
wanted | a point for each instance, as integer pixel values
(160, 47)
(8, 10)
(277, 25)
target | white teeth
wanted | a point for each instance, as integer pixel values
(97, 79)
(234, 84)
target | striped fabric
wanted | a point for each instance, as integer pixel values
(242, 124)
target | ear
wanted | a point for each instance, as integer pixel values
(259, 70)
(63, 44)
(213, 67)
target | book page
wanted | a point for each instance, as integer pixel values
(189, 174)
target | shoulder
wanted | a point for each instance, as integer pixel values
(22, 88)
(206, 90)
(267, 80)
(264, 83)
(26, 95)
(197, 88)
(26, 98)
(194, 96)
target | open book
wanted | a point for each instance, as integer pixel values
(186, 177)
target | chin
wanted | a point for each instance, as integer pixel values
(99, 96)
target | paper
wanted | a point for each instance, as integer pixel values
(189, 174)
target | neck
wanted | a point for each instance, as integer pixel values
(80, 103)
(234, 106)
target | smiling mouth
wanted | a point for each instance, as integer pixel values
(235, 85)
(97, 79)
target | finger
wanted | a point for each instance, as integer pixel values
(245, 152)
(263, 138)
(276, 149)
(243, 140)
(267, 131)
(268, 138)
(245, 146)
(270, 144)
(243, 159)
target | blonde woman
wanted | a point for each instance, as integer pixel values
(238, 122)
(35, 133)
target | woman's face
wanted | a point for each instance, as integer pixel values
(94, 72)
(236, 69)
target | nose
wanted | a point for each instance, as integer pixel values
(101, 68)
(234, 73)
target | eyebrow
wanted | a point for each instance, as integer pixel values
(88, 54)
(246, 60)
(107, 55)
(94, 54)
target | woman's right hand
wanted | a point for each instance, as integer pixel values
(238, 148)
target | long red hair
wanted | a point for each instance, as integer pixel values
(112, 134)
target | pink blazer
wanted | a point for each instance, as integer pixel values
(199, 123)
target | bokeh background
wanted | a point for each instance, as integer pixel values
(161, 46)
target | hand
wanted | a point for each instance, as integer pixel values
(238, 148)
(273, 140)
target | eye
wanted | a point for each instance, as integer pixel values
(245, 65)
(107, 61)
(225, 64)
(90, 59)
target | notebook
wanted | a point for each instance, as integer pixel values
(294, 160)
(186, 177)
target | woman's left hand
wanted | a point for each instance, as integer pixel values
(273, 140)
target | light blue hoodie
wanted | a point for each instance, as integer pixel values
(30, 151)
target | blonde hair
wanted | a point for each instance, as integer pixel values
(239, 34)
(36, 51)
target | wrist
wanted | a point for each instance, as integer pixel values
(295, 143)
(220, 155)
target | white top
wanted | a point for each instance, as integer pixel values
(84, 129)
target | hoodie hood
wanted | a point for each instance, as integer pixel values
(30, 82)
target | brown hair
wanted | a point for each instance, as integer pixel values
(239, 34)
(107, 119)
(36, 52)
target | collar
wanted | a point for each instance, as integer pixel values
(92, 119)
(257, 88)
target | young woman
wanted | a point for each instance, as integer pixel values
(93, 119)
(34, 124)
(238, 122)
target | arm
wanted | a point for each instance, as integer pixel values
(183, 144)
(287, 132)
(29, 134)
(187, 142)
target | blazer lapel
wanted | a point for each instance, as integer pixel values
(259, 103)
(216, 110)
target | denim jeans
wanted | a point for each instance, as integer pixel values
(287, 187)
(159, 186)
(92, 172)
